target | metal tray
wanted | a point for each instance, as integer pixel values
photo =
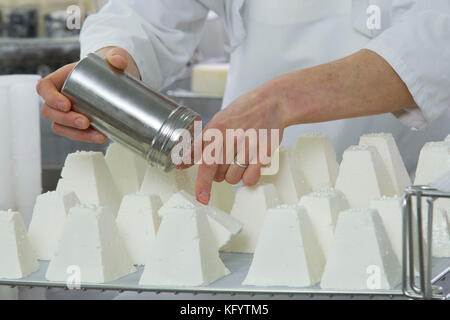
(231, 284)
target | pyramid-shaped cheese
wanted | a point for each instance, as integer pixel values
(363, 176)
(49, 216)
(223, 225)
(289, 181)
(388, 150)
(127, 168)
(448, 138)
(434, 161)
(441, 234)
(138, 223)
(316, 159)
(361, 256)
(17, 258)
(90, 240)
(184, 252)
(287, 253)
(87, 174)
(250, 210)
(165, 184)
(390, 211)
(323, 208)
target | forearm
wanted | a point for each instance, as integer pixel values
(359, 85)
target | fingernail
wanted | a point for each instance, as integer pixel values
(80, 123)
(98, 138)
(61, 106)
(203, 197)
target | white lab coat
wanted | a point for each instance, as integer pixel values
(269, 38)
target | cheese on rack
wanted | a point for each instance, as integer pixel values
(222, 193)
(49, 216)
(184, 252)
(209, 79)
(388, 150)
(441, 234)
(127, 168)
(223, 226)
(87, 174)
(289, 181)
(316, 159)
(90, 242)
(434, 161)
(390, 211)
(138, 223)
(323, 208)
(287, 253)
(166, 184)
(361, 256)
(363, 176)
(17, 258)
(250, 209)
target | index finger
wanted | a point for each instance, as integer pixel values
(49, 89)
(205, 177)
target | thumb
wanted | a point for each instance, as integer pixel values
(118, 58)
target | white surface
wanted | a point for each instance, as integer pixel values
(138, 223)
(126, 167)
(434, 161)
(91, 243)
(223, 226)
(289, 180)
(6, 189)
(165, 184)
(209, 78)
(250, 209)
(441, 233)
(87, 174)
(390, 211)
(18, 259)
(363, 176)
(49, 216)
(316, 159)
(288, 252)
(323, 208)
(388, 150)
(184, 252)
(361, 256)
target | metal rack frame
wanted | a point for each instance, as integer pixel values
(422, 287)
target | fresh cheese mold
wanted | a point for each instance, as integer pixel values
(287, 253)
(90, 242)
(166, 184)
(223, 226)
(87, 174)
(361, 256)
(222, 193)
(434, 161)
(363, 176)
(138, 223)
(289, 181)
(316, 159)
(390, 211)
(388, 150)
(209, 79)
(441, 234)
(184, 252)
(49, 216)
(18, 259)
(250, 209)
(323, 208)
(127, 168)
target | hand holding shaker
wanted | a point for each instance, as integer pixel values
(128, 111)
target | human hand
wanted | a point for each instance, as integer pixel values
(58, 108)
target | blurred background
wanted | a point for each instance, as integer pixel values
(35, 39)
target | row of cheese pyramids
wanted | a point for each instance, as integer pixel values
(316, 169)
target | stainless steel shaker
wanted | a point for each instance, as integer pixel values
(128, 111)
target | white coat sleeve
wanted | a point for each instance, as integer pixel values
(418, 48)
(160, 35)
